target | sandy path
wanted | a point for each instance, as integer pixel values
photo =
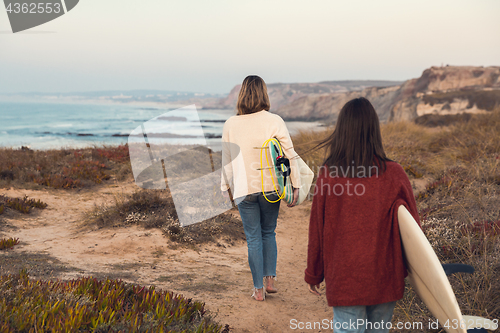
(219, 276)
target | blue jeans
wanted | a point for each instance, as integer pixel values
(363, 319)
(259, 222)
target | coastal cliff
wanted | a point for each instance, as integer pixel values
(446, 90)
(282, 94)
(439, 91)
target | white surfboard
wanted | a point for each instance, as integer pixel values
(427, 276)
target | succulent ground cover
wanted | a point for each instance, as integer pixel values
(91, 305)
(8, 243)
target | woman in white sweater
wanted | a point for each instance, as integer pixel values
(242, 137)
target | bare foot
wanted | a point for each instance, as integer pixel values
(258, 294)
(270, 285)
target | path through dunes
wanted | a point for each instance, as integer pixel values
(54, 245)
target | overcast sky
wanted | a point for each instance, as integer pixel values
(209, 46)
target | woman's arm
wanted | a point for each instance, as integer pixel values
(314, 273)
(227, 169)
(406, 196)
(409, 198)
(286, 144)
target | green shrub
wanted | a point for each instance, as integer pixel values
(90, 305)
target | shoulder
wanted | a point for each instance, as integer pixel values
(274, 121)
(394, 167)
(260, 117)
(269, 116)
(230, 121)
(322, 173)
(396, 171)
(275, 117)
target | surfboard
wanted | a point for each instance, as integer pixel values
(283, 183)
(427, 276)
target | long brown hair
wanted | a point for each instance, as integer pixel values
(253, 96)
(356, 141)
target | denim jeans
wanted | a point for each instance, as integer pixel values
(259, 222)
(375, 318)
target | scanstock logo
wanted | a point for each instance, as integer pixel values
(26, 14)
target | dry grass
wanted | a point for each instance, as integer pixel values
(459, 209)
(155, 209)
(63, 168)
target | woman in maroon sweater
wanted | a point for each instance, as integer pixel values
(354, 242)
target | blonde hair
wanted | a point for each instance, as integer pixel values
(253, 96)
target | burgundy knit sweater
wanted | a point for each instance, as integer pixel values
(354, 241)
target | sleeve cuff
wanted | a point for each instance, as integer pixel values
(311, 279)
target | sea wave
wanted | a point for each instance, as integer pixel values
(149, 135)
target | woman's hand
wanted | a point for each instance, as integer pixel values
(225, 194)
(295, 197)
(312, 289)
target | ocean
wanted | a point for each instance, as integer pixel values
(46, 125)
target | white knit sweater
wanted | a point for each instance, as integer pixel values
(241, 160)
